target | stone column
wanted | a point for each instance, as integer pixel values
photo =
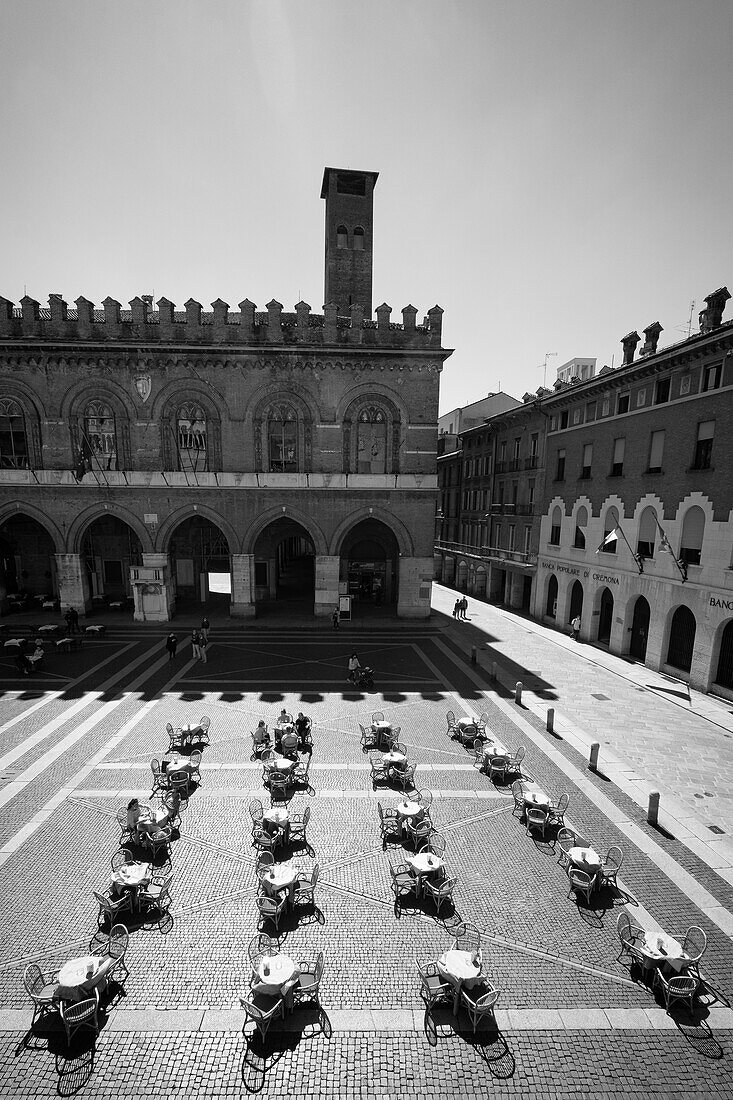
(327, 584)
(71, 572)
(415, 584)
(243, 586)
(516, 589)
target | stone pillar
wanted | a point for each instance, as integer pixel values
(327, 584)
(152, 589)
(243, 586)
(71, 572)
(415, 584)
(273, 566)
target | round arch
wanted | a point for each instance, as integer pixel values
(266, 518)
(462, 576)
(27, 558)
(16, 508)
(75, 536)
(640, 619)
(721, 667)
(397, 527)
(188, 511)
(87, 389)
(604, 603)
(361, 394)
(179, 390)
(550, 603)
(680, 644)
(576, 601)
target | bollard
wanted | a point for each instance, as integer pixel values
(493, 670)
(518, 691)
(652, 814)
(473, 654)
(593, 759)
(550, 719)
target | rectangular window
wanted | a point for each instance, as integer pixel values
(560, 475)
(502, 451)
(527, 539)
(515, 492)
(617, 466)
(497, 534)
(511, 536)
(622, 405)
(656, 450)
(564, 419)
(501, 492)
(587, 460)
(590, 411)
(641, 398)
(662, 391)
(555, 534)
(517, 444)
(711, 377)
(704, 445)
(530, 494)
(533, 444)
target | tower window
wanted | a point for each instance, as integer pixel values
(342, 237)
(351, 183)
(358, 239)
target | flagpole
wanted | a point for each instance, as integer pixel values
(637, 557)
(667, 549)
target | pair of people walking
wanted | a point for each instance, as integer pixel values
(460, 608)
(199, 642)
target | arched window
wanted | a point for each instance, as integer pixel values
(647, 533)
(191, 437)
(371, 441)
(282, 439)
(342, 237)
(610, 525)
(556, 526)
(581, 522)
(358, 239)
(13, 439)
(99, 442)
(551, 603)
(693, 530)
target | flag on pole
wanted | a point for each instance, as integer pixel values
(610, 539)
(84, 458)
(664, 544)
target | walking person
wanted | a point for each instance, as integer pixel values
(335, 618)
(575, 628)
(171, 644)
(457, 609)
(202, 648)
(464, 607)
(195, 640)
(205, 625)
(74, 620)
(354, 666)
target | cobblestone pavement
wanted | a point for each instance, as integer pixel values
(75, 749)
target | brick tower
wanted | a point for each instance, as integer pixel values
(349, 223)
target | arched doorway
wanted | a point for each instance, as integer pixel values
(640, 629)
(284, 567)
(462, 577)
(200, 565)
(724, 675)
(27, 561)
(480, 588)
(605, 619)
(109, 548)
(576, 601)
(551, 604)
(369, 564)
(681, 639)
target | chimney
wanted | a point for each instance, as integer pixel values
(712, 317)
(651, 334)
(629, 345)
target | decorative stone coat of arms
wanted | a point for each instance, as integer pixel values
(143, 385)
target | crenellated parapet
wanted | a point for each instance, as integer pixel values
(141, 324)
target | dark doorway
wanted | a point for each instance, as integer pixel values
(551, 605)
(724, 675)
(526, 593)
(605, 619)
(284, 569)
(681, 639)
(576, 601)
(640, 629)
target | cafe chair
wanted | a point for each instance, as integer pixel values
(265, 862)
(174, 737)
(121, 858)
(497, 767)
(440, 892)
(262, 1010)
(298, 824)
(110, 908)
(478, 754)
(451, 720)
(40, 988)
(418, 831)
(580, 883)
(367, 737)
(301, 771)
(682, 987)
(194, 773)
(263, 839)
(557, 810)
(304, 887)
(159, 779)
(204, 730)
(694, 947)
(378, 769)
(271, 909)
(514, 764)
(80, 1014)
(278, 785)
(565, 841)
(468, 938)
(611, 865)
(389, 825)
(479, 1002)
(632, 937)
(126, 833)
(403, 882)
(536, 818)
(256, 810)
(518, 794)
(406, 777)
(157, 838)
(433, 986)
(308, 985)
(378, 716)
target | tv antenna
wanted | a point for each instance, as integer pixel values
(687, 329)
(548, 355)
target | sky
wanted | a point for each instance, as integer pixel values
(552, 173)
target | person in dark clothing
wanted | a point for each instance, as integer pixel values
(21, 660)
(73, 620)
(335, 618)
(171, 644)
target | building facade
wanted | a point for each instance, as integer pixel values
(144, 452)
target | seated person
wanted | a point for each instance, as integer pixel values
(289, 745)
(36, 657)
(261, 737)
(302, 724)
(136, 823)
(285, 719)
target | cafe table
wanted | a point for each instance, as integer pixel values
(174, 762)
(277, 817)
(494, 747)
(422, 864)
(279, 764)
(460, 968)
(78, 977)
(276, 970)
(662, 949)
(407, 810)
(394, 761)
(132, 876)
(585, 859)
(189, 732)
(281, 876)
(535, 798)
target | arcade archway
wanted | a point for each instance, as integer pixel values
(109, 547)
(284, 565)
(369, 563)
(27, 561)
(200, 565)
(605, 617)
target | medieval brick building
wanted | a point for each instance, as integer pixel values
(144, 452)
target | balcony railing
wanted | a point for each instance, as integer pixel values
(487, 553)
(511, 509)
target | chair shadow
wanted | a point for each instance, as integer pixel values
(488, 1042)
(698, 1034)
(262, 1055)
(73, 1060)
